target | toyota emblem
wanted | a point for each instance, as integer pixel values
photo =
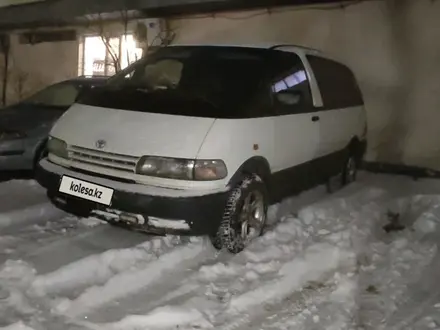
(100, 144)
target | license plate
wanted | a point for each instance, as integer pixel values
(86, 190)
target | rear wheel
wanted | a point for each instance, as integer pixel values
(347, 175)
(244, 217)
(349, 172)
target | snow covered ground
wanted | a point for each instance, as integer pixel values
(324, 263)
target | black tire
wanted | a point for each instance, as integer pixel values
(347, 175)
(39, 155)
(229, 234)
(349, 171)
(216, 241)
(334, 183)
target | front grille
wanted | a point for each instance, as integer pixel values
(103, 159)
(103, 176)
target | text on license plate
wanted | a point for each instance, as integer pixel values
(86, 190)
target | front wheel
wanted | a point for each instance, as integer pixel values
(40, 154)
(244, 217)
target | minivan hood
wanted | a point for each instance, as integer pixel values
(131, 132)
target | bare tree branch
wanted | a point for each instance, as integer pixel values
(124, 15)
(107, 42)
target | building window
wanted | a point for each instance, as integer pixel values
(100, 58)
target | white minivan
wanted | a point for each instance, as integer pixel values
(201, 139)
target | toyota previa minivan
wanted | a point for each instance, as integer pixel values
(200, 140)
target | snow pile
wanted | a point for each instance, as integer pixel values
(16, 326)
(162, 318)
(129, 282)
(297, 266)
(317, 260)
(99, 268)
(29, 214)
(92, 222)
(15, 277)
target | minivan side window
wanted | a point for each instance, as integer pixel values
(289, 83)
(336, 82)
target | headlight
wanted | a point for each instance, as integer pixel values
(11, 135)
(57, 147)
(205, 170)
(182, 169)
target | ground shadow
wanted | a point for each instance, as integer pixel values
(16, 175)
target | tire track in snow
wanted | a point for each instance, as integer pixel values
(131, 281)
(21, 229)
(34, 235)
(261, 262)
(139, 277)
(319, 262)
(16, 326)
(279, 316)
(33, 214)
(319, 305)
(41, 244)
(186, 284)
(98, 268)
(265, 255)
(243, 308)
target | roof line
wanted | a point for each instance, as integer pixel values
(296, 46)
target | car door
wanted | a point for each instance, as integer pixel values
(296, 128)
(342, 105)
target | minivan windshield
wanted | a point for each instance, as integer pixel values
(201, 81)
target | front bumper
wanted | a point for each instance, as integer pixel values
(202, 214)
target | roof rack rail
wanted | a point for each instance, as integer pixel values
(297, 46)
(93, 76)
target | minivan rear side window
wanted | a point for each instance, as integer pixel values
(336, 82)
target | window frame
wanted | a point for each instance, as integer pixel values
(297, 65)
(108, 58)
(356, 97)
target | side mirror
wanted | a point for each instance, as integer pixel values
(84, 91)
(289, 97)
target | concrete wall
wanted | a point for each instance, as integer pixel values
(392, 46)
(33, 67)
(4, 3)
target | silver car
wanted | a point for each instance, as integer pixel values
(24, 126)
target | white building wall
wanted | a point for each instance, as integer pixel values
(42, 64)
(394, 51)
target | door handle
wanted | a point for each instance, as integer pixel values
(315, 118)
